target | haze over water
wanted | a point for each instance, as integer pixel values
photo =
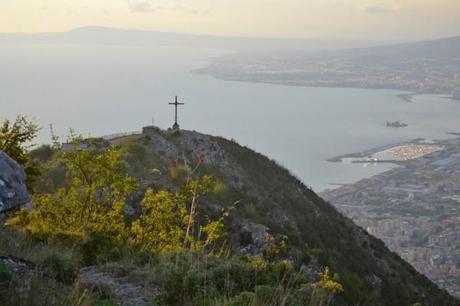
(100, 90)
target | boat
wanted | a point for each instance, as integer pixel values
(396, 124)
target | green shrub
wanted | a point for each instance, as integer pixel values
(192, 277)
(43, 153)
(104, 303)
(301, 296)
(265, 295)
(282, 269)
(38, 236)
(231, 276)
(6, 276)
(243, 299)
(60, 267)
(321, 255)
(172, 292)
(209, 296)
(98, 248)
(145, 257)
(65, 239)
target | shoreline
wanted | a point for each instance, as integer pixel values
(372, 151)
(407, 94)
(421, 195)
(357, 157)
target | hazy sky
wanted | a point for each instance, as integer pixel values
(360, 19)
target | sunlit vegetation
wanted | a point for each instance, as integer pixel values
(81, 218)
(15, 140)
(174, 229)
(93, 203)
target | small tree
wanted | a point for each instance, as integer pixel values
(15, 138)
(168, 222)
(160, 226)
(94, 200)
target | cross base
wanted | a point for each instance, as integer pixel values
(176, 126)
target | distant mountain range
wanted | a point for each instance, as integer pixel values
(113, 36)
(421, 67)
(445, 48)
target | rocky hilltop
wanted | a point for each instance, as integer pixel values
(271, 201)
(13, 190)
(267, 213)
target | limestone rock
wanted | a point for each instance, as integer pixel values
(13, 190)
(122, 291)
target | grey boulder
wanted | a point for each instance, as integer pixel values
(13, 189)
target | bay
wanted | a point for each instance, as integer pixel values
(100, 90)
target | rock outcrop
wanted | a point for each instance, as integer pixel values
(13, 190)
(276, 215)
(124, 292)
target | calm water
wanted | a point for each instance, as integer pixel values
(101, 90)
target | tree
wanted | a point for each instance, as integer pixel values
(94, 200)
(160, 226)
(168, 222)
(15, 138)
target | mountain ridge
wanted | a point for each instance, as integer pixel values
(110, 35)
(141, 35)
(268, 200)
(274, 226)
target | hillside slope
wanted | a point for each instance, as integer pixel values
(267, 212)
(271, 200)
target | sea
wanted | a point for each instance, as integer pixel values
(102, 90)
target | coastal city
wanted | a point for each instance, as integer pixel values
(414, 208)
(357, 69)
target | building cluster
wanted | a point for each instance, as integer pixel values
(416, 73)
(415, 210)
(412, 150)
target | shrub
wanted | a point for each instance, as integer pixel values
(265, 295)
(321, 255)
(194, 277)
(6, 276)
(60, 267)
(65, 239)
(301, 296)
(104, 303)
(282, 269)
(146, 258)
(38, 236)
(243, 299)
(98, 248)
(172, 292)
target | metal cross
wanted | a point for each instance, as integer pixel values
(176, 125)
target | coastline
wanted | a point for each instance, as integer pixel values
(420, 195)
(373, 151)
(407, 94)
